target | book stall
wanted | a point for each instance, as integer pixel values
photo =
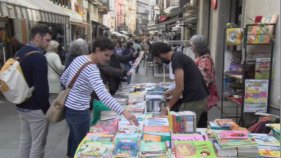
(172, 136)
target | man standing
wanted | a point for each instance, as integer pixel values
(34, 125)
(189, 82)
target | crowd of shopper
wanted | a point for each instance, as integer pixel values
(108, 64)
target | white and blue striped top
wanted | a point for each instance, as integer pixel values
(88, 80)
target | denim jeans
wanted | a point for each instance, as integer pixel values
(79, 125)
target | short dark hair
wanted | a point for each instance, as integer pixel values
(159, 48)
(103, 44)
(41, 29)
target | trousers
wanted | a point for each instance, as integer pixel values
(34, 130)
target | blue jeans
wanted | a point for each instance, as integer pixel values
(79, 126)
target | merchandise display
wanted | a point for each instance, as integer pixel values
(172, 136)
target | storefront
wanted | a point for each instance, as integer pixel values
(16, 19)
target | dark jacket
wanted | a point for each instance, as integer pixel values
(112, 73)
(35, 71)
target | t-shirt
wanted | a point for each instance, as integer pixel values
(194, 86)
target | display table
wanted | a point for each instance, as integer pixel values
(165, 136)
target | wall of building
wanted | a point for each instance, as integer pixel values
(268, 8)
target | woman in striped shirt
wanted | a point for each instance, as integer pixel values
(77, 107)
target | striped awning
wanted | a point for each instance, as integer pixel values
(33, 10)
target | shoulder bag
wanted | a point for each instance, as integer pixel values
(56, 111)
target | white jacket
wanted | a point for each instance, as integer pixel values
(54, 61)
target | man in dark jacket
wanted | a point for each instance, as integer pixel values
(34, 125)
(113, 73)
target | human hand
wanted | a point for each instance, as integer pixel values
(168, 93)
(130, 117)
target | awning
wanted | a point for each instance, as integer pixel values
(33, 10)
(170, 23)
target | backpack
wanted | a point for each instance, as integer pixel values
(12, 81)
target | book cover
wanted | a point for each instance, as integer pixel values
(214, 125)
(234, 36)
(189, 137)
(133, 137)
(185, 149)
(265, 139)
(153, 147)
(95, 149)
(110, 127)
(256, 95)
(269, 151)
(233, 134)
(262, 69)
(100, 137)
(163, 129)
(126, 148)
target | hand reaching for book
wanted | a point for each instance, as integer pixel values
(130, 117)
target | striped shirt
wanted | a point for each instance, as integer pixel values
(88, 80)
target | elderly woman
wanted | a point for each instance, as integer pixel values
(77, 112)
(55, 69)
(77, 48)
(205, 64)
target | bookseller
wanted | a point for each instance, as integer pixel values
(188, 79)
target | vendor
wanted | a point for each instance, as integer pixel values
(188, 79)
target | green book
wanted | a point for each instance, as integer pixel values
(153, 147)
(186, 149)
(262, 69)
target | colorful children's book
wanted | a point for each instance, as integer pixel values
(153, 147)
(214, 125)
(186, 149)
(262, 68)
(95, 149)
(233, 135)
(234, 36)
(126, 148)
(100, 137)
(133, 137)
(110, 127)
(269, 151)
(226, 123)
(265, 139)
(233, 143)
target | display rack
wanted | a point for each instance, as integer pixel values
(254, 84)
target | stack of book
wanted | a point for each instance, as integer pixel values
(135, 97)
(275, 130)
(154, 150)
(268, 145)
(157, 134)
(137, 107)
(126, 145)
(182, 122)
(200, 149)
(231, 139)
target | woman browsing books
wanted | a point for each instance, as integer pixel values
(77, 112)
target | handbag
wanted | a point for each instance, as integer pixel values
(56, 111)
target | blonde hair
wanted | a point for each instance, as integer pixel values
(53, 46)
